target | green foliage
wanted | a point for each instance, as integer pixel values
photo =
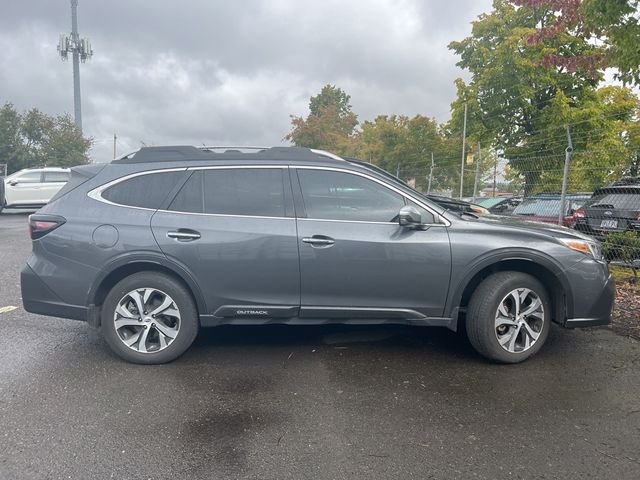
(330, 124)
(34, 139)
(520, 104)
(623, 247)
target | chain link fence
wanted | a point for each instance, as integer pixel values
(576, 190)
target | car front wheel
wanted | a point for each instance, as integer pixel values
(508, 317)
(149, 318)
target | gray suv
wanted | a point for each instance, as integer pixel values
(155, 245)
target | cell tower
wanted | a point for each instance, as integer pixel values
(80, 49)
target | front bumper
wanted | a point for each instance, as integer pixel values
(594, 292)
(40, 299)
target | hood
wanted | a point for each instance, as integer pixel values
(534, 227)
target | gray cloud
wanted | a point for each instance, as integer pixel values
(230, 72)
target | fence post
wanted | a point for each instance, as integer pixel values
(475, 181)
(464, 140)
(430, 174)
(565, 177)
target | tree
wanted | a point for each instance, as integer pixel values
(330, 124)
(521, 103)
(33, 139)
(613, 25)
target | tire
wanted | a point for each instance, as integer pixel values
(169, 318)
(492, 322)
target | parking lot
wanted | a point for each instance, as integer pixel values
(308, 402)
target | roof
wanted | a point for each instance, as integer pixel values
(187, 153)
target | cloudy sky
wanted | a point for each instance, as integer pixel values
(230, 72)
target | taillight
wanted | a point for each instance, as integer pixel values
(580, 213)
(40, 225)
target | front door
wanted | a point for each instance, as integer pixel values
(234, 229)
(356, 261)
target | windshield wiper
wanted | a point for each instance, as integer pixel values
(601, 205)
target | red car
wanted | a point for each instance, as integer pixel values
(545, 207)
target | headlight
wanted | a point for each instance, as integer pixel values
(588, 248)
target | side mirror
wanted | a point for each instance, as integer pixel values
(409, 217)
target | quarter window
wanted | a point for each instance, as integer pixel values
(146, 191)
(343, 196)
(233, 191)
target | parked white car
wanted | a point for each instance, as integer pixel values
(32, 187)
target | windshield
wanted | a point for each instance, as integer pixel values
(539, 207)
(491, 202)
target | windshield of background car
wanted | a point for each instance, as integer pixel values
(491, 202)
(617, 200)
(539, 207)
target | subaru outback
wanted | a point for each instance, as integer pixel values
(153, 246)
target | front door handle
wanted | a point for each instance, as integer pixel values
(184, 235)
(319, 241)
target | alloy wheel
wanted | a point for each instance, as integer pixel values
(147, 320)
(519, 320)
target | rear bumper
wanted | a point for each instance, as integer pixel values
(595, 308)
(38, 298)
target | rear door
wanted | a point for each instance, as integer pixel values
(53, 181)
(355, 259)
(234, 230)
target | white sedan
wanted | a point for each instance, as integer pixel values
(32, 187)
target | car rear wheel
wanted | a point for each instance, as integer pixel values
(149, 318)
(508, 317)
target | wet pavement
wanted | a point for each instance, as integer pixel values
(328, 402)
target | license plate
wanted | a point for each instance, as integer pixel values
(609, 224)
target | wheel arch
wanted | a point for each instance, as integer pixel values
(122, 268)
(543, 269)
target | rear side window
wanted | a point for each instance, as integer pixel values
(53, 177)
(233, 191)
(146, 191)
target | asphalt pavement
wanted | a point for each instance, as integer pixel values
(327, 402)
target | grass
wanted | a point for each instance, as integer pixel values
(626, 314)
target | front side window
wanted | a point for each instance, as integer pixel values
(30, 177)
(233, 191)
(145, 191)
(333, 195)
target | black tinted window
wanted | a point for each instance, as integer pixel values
(56, 177)
(618, 200)
(147, 191)
(343, 196)
(240, 191)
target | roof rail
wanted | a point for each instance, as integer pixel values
(178, 153)
(230, 147)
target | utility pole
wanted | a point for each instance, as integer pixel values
(464, 140)
(114, 145)
(475, 182)
(495, 175)
(80, 50)
(565, 177)
(398, 171)
(430, 174)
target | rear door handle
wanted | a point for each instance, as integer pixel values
(319, 241)
(184, 235)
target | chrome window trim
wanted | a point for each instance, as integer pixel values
(436, 215)
(96, 193)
